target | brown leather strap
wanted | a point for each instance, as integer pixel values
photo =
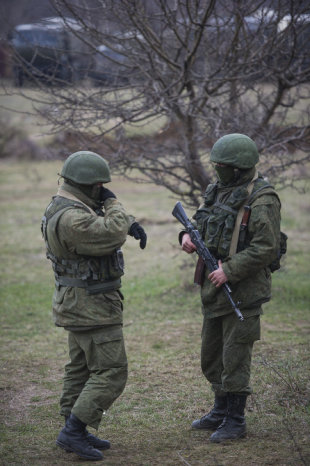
(199, 272)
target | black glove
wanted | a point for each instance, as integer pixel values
(106, 194)
(137, 232)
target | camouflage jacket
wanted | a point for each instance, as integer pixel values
(248, 270)
(79, 236)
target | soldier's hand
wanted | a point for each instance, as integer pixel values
(187, 244)
(218, 276)
(106, 194)
(138, 233)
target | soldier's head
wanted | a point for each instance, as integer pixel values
(232, 155)
(86, 170)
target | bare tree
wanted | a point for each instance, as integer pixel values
(166, 79)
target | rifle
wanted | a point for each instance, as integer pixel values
(203, 252)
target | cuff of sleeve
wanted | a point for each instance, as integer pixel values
(131, 220)
(226, 270)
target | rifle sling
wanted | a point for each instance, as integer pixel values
(235, 235)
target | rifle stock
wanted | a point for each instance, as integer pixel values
(203, 252)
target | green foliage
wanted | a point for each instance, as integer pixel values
(150, 423)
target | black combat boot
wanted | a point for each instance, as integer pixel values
(73, 438)
(215, 417)
(233, 427)
(95, 441)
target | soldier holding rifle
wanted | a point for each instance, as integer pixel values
(239, 222)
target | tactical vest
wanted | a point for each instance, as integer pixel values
(216, 218)
(95, 274)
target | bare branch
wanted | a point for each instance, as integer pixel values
(155, 83)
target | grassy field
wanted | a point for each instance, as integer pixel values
(150, 423)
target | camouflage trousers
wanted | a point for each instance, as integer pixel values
(226, 352)
(96, 374)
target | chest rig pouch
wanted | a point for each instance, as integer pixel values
(216, 218)
(95, 274)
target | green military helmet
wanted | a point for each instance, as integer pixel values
(236, 150)
(86, 168)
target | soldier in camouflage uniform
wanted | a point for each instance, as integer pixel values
(226, 341)
(83, 243)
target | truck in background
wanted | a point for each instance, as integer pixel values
(50, 50)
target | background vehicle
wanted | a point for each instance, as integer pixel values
(49, 49)
(109, 67)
